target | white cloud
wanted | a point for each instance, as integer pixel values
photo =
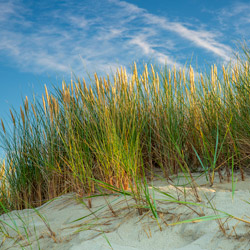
(200, 38)
(236, 9)
(100, 35)
(147, 48)
(234, 19)
(7, 9)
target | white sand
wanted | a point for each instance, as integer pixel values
(126, 230)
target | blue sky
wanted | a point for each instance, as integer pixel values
(42, 43)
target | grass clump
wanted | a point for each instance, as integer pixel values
(119, 129)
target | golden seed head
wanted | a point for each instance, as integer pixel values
(105, 84)
(125, 76)
(236, 72)
(191, 72)
(56, 105)
(47, 94)
(146, 70)
(2, 172)
(175, 82)
(63, 85)
(101, 87)
(233, 77)
(31, 131)
(153, 72)
(26, 105)
(135, 71)
(113, 91)
(85, 86)
(3, 126)
(212, 75)
(224, 73)
(34, 111)
(91, 93)
(66, 97)
(184, 76)
(121, 72)
(246, 68)
(97, 85)
(44, 105)
(215, 71)
(76, 89)
(130, 88)
(44, 136)
(72, 87)
(180, 75)
(13, 118)
(202, 81)
(157, 82)
(169, 76)
(22, 115)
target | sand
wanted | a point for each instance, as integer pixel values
(116, 224)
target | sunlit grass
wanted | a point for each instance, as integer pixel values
(115, 132)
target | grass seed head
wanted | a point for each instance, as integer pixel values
(26, 105)
(246, 67)
(47, 95)
(34, 111)
(55, 105)
(22, 115)
(85, 86)
(13, 118)
(66, 97)
(3, 126)
(44, 105)
(191, 77)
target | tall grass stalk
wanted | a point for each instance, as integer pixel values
(119, 129)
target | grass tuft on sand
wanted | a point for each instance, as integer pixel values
(113, 133)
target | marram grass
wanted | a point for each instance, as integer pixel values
(116, 131)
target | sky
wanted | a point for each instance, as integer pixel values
(48, 41)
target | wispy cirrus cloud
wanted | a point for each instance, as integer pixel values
(234, 20)
(199, 37)
(99, 35)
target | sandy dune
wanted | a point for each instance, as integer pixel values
(116, 224)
